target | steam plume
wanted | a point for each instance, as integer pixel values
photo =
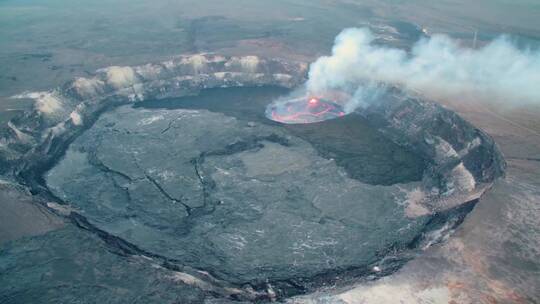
(437, 67)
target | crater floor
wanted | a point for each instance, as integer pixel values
(243, 200)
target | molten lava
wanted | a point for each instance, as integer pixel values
(300, 110)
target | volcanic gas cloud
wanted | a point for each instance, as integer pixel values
(437, 67)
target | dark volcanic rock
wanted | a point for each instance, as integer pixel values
(69, 265)
(246, 202)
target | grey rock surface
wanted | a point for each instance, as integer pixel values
(244, 202)
(68, 265)
(21, 216)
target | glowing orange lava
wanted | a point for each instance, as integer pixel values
(300, 111)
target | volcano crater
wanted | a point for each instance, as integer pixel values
(196, 175)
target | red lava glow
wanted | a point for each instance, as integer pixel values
(308, 110)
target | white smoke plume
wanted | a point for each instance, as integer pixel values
(436, 67)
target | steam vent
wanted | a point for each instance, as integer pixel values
(173, 171)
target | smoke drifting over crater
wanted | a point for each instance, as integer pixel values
(436, 67)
